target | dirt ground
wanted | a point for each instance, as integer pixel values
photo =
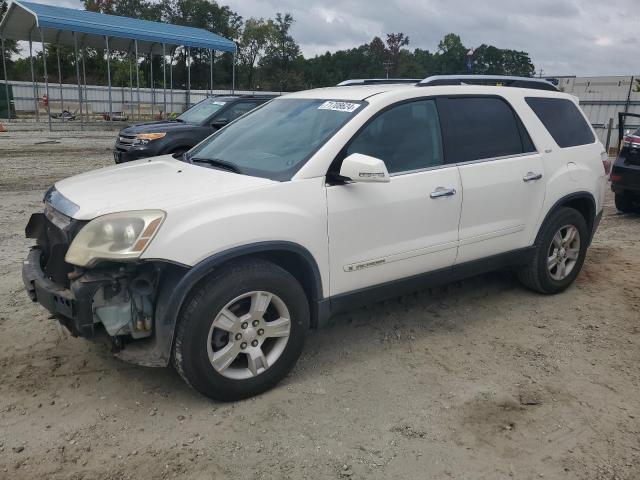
(480, 380)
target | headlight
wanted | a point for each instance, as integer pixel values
(144, 138)
(116, 236)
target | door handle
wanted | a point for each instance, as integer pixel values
(442, 192)
(530, 177)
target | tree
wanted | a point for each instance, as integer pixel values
(253, 44)
(395, 41)
(10, 46)
(451, 55)
(283, 50)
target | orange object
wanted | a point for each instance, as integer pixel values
(2, 128)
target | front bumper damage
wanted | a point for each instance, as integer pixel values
(114, 301)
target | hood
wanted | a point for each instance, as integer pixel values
(159, 126)
(153, 183)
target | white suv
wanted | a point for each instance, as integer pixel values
(220, 261)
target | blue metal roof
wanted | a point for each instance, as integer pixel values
(21, 16)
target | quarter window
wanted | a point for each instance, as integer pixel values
(477, 128)
(563, 120)
(407, 137)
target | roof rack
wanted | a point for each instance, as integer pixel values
(376, 81)
(495, 80)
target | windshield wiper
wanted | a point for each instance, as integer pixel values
(218, 163)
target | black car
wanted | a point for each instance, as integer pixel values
(625, 174)
(176, 136)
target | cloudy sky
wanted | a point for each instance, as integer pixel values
(563, 37)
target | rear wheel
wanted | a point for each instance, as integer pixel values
(242, 330)
(559, 254)
(624, 202)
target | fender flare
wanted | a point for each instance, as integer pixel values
(567, 198)
(176, 286)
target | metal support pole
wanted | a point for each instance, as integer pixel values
(6, 81)
(153, 90)
(609, 128)
(84, 77)
(171, 77)
(233, 73)
(46, 78)
(60, 82)
(130, 83)
(189, 77)
(106, 39)
(75, 49)
(211, 71)
(164, 79)
(137, 77)
(33, 80)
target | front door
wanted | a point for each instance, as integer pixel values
(380, 232)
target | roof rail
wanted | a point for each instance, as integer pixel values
(495, 80)
(376, 81)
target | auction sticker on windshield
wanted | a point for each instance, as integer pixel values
(346, 107)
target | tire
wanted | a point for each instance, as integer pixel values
(235, 288)
(624, 202)
(541, 274)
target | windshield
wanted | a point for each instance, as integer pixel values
(275, 140)
(201, 111)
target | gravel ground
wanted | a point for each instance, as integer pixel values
(479, 380)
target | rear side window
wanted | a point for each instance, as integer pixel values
(563, 120)
(477, 128)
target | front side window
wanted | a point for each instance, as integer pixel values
(239, 109)
(275, 140)
(563, 120)
(407, 137)
(477, 128)
(201, 111)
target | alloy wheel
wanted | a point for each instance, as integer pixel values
(248, 335)
(563, 252)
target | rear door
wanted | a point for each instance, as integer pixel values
(502, 174)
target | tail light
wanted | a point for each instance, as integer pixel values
(631, 141)
(616, 178)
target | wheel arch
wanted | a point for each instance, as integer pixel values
(292, 257)
(583, 202)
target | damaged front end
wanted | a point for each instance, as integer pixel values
(113, 300)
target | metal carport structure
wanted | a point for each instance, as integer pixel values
(81, 29)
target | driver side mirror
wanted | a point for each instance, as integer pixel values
(363, 168)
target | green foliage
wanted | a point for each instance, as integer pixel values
(10, 46)
(268, 56)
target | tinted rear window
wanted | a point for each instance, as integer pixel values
(477, 128)
(563, 120)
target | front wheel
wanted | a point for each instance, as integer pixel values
(242, 330)
(559, 254)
